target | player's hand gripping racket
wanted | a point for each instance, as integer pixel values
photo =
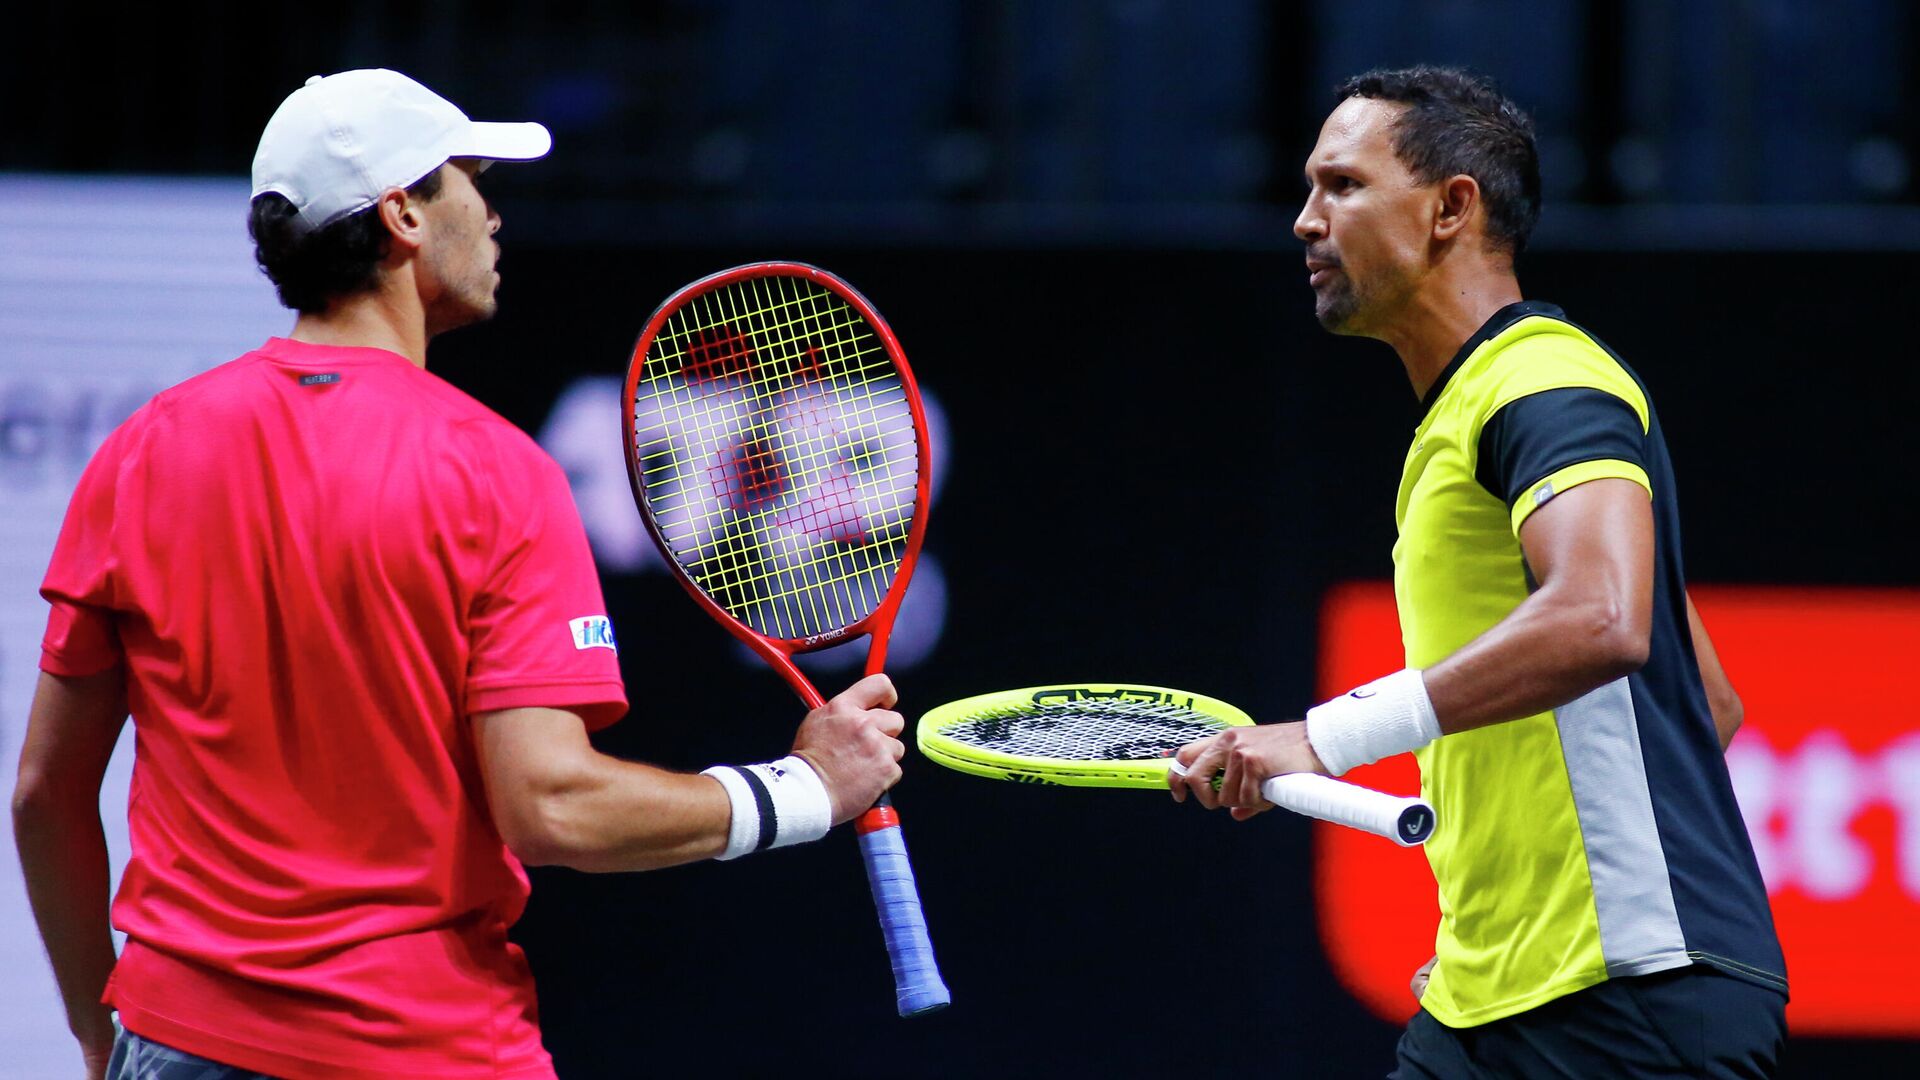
(1124, 736)
(778, 452)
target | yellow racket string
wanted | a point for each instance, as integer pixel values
(777, 454)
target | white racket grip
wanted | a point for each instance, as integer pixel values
(1405, 821)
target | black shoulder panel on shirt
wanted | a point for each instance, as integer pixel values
(1533, 437)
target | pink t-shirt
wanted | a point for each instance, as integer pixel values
(318, 563)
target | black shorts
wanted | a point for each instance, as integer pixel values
(1691, 1021)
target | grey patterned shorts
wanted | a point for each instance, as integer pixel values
(139, 1058)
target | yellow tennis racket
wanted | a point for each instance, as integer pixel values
(1123, 735)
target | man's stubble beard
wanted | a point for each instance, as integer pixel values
(1335, 308)
(473, 301)
(1345, 309)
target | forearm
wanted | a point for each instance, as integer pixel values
(63, 852)
(1557, 645)
(558, 801)
(555, 799)
(71, 732)
(611, 815)
(1722, 701)
(1552, 649)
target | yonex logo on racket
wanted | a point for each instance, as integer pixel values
(593, 632)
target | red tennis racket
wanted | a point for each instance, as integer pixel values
(778, 453)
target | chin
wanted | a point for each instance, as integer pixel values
(1336, 316)
(480, 308)
(1341, 311)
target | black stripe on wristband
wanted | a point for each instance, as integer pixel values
(769, 822)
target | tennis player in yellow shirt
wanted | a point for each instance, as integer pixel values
(1601, 911)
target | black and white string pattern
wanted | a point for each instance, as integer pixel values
(1103, 729)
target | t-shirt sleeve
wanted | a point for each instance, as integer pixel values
(81, 637)
(539, 634)
(1537, 446)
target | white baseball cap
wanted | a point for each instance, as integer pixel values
(341, 140)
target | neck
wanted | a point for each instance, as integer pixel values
(1442, 315)
(386, 318)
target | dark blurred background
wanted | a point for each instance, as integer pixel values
(1077, 217)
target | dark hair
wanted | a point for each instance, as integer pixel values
(1457, 121)
(311, 268)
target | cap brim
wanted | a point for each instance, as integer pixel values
(509, 142)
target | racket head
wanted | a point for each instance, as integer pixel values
(777, 450)
(1117, 735)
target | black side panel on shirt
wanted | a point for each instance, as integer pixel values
(1718, 894)
(1534, 437)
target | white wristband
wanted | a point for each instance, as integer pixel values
(776, 804)
(1385, 717)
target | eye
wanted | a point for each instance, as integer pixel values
(1333, 183)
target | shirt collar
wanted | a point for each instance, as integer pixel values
(304, 353)
(1490, 329)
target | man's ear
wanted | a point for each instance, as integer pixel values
(1459, 201)
(400, 213)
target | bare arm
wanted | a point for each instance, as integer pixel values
(1589, 623)
(63, 850)
(1721, 700)
(557, 800)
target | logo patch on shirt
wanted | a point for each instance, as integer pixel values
(593, 632)
(1542, 494)
(320, 380)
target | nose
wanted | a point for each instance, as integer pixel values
(1311, 225)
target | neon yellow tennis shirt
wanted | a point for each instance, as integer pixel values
(1600, 839)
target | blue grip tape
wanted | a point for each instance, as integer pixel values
(918, 987)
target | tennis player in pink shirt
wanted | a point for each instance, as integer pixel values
(353, 615)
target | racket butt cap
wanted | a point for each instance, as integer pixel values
(1414, 826)
(924, 1006)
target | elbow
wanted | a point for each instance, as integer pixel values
(44, 809)
(1618, 642)
(540, 826)
(33, 802)
(1728, 713)
(24, 807)
(533, 845)
(1629, 654)
(543, 836)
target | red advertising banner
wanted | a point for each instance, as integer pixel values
(1826, 766)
